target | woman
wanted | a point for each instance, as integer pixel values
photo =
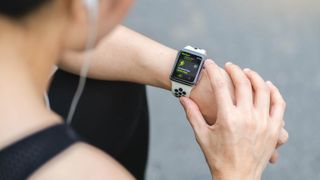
(35, 34)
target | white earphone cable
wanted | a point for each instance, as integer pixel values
(92, 37)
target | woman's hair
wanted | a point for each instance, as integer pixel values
(19, 8)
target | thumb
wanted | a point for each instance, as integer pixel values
(193, 114)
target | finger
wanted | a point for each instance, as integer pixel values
(274, 158)
(277, 103)
(193, 113)
(220, 86)
(283, 137)
(261, 91)
(243, 88)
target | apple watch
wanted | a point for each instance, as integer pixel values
(186, 70)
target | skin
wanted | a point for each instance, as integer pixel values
(245, 134)
(123, 53)
(29, 47)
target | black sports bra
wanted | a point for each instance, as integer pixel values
(19, 160)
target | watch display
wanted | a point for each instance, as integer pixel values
(187, 67)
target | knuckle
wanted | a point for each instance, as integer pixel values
(228, 122)
(287, 138)
(220, 84)
(283, 141)
(251, 125)
(248, 114)
(209, 63)
(282, 104)
(229, 116)
(284, 136)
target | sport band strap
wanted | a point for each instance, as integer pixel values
(201, 51)
(21, 159)
(179, 89)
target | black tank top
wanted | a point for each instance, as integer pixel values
(112, 116)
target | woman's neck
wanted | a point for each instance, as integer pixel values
(25, 66)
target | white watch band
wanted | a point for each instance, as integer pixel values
(179, 89)
(201, 51)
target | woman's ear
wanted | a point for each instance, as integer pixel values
(77, 28)
(108, 18)
(78, 11)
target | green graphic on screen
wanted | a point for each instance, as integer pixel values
(187, 67)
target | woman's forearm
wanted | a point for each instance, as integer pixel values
(129, 56)
(126, 55)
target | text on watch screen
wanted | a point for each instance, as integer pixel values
(187, 67)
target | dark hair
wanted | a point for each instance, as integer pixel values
(19, 8)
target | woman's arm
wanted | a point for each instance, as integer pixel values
(125, 55)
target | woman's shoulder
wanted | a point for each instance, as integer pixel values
(82, 161)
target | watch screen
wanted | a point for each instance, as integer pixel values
(187, 67)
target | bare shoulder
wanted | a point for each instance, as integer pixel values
(82, 161)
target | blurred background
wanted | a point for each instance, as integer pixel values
(278, 38)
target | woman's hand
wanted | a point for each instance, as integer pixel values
(241, 142)
(203, 94)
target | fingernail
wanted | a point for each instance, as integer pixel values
(228, 63)
(269, 82)
(284, 135)
(247, 70)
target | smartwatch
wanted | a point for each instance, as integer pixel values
(186, 70)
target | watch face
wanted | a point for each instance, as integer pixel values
(187, 67)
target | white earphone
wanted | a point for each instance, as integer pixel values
(92, 7)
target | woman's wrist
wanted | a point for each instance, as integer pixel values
(168, 62)
(228, 172)
(234, 175)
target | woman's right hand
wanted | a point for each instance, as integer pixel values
(241, 142)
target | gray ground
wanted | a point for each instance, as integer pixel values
(278, 38)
